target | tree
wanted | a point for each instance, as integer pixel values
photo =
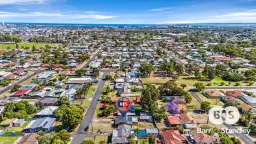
(183, 85)
(209, 72)
(179, 68)
(17, 46)
(95, 72)
(62, 137)
(188, 97)
(69, 116)
(180, 128)
(172, 108)
(33, 48)
(146, 69)
(149, 98)
(206, 106)
(22, 62)
(151, 139)
(200, 86)
(220, 69)
(81, 72)
(170, 88)
(64, 101)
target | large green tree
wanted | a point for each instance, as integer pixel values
(145, 69)
(149, 98)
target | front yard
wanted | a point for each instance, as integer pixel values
(8, 140)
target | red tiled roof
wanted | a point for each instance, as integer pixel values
(173, 137)
(245, 107)
(221, 58)
(174, 120)
(45, 65)
(235, 93)
(21, 92)
(19, 72)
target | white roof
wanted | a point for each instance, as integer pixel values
(48, 110)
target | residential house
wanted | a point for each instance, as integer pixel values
(48, 101)
(80, 81)
(18, 122)
(180, 119)
(235, 93)
(174, 137)
(145, 117)
(47, 112)
(29, 139)
(249, 100)
(46, 124)
(213, 94)
(21, 93)
(20, 72)
(121, 134)
(201, 138)
(152, 131)
(244, 107)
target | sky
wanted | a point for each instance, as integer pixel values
(128, 11)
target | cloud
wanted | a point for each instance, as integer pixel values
(59, 15)
(161, 9)
(234, 17)
(21, 2)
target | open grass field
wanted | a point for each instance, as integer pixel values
(190, 81)
(30, 45)
(155, 80)
(7, 140)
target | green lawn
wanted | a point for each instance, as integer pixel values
(155, 80)
(18, 130)
(212, 101)
(30, 45)
(7, 140)
(82, 103)
(91, 91)
(190, 81)
(194, 103)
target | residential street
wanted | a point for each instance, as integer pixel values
(88, 117)
(243, 137)
(20, 81)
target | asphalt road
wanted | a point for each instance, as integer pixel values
(92, 59)
(20, 81)
(88, 117)
(242, 137)
(196, 97)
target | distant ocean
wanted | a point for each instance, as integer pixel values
(137, 25)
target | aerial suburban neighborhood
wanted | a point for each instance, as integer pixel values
(62, 84)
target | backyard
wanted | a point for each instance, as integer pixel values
(8, 140)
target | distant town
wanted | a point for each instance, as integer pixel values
(61, 84)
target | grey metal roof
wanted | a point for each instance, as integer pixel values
(42, 122)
